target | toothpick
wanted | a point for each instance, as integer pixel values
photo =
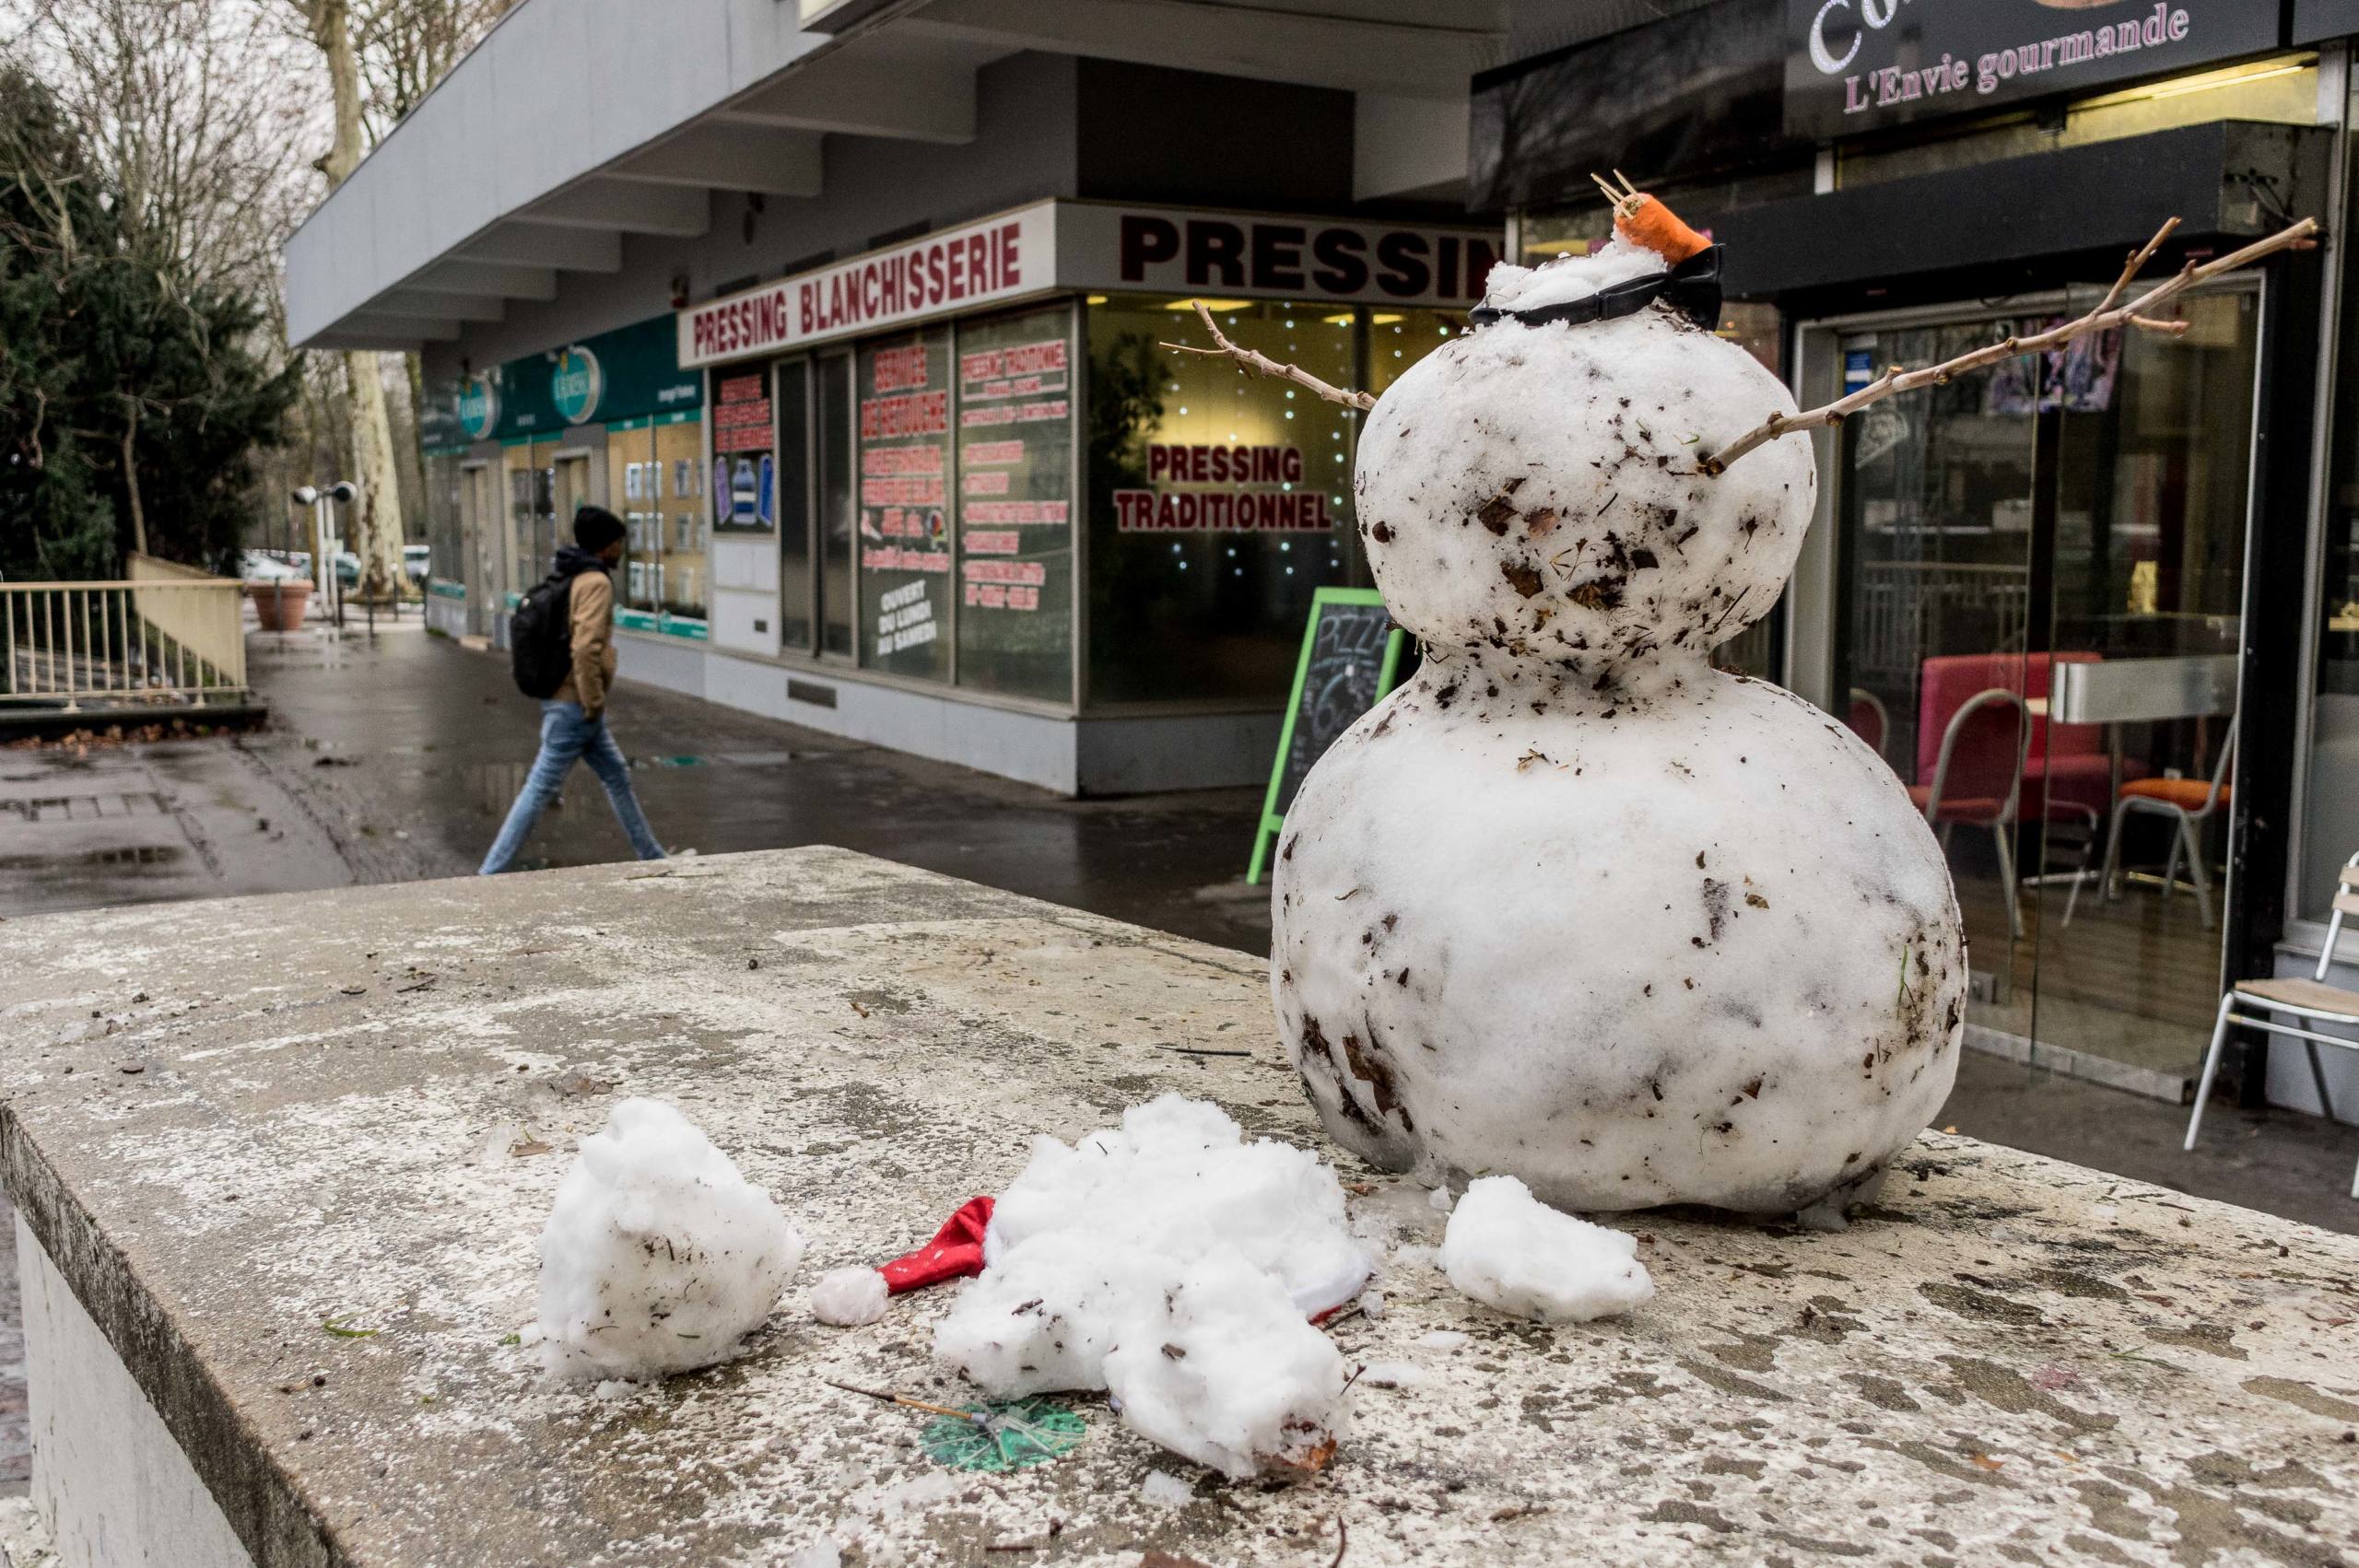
(902, 1399)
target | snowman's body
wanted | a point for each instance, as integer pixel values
(1571, 906)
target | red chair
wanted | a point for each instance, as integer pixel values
(1977, 779)
(2067, 766)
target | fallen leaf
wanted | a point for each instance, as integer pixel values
(342, 1332)
(525, 1148)
(1987, 1463)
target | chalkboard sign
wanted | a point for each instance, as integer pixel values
(1351, 656)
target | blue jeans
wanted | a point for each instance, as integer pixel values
(567, 734)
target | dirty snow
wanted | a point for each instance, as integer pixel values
(1177, 1264)
(846, 1298)
(1507, 1249)
(1177, 1178)
(1226, 1373)
(658, 1256)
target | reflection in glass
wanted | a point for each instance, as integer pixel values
(836, 509)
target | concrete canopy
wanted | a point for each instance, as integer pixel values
(575, 123)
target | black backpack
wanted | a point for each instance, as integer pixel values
(540, 636)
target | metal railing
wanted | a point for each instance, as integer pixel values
(167, 637)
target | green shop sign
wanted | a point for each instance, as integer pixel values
(575, 384)
(630, 373)
(479, 406)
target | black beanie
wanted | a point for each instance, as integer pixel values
(594, 528)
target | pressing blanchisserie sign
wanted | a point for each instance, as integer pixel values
(1351, 656)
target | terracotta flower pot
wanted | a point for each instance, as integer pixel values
(278, 602)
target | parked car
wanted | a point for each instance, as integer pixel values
(417, 562)
(262, 566)
(347, 569)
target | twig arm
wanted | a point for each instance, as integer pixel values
(1262, 365)
(2109, 313)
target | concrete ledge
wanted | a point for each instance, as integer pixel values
(237, 1128)
(111, 1483)
(49, 723)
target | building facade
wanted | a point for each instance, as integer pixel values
(858, 323)
(2147, 538)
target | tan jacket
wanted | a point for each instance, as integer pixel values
(590, 604)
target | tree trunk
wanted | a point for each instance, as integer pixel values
(130, 476)
(377, 516)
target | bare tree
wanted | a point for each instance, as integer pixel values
(377, 522)
(184, 106)
(383, 57)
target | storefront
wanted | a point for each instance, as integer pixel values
(962, 500)
(2116, 536)
(511, 451)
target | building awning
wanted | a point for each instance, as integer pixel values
(2228, 179)
(569, 127)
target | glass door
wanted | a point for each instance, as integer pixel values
(2152, 444)
(1935, 504)
(2051, 554)
(839, 504)
(789, 383)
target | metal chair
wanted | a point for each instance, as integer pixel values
(2187, 802)
(1978, 780)
(1868, 719)
(2311, 1001)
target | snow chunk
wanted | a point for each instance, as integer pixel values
(1567, 279)
(1176, 1178)
(1174, 1265)
(1505, 1249)
(658, 1256)
(1043, 1316)
(1226, 1371)
(845, 1298)
(1165, 1490)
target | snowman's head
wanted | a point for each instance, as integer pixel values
(1532, 490)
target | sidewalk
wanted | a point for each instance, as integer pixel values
(395, 760)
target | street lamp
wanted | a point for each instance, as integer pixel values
(324, 539)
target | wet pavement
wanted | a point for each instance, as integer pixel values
(395, 759)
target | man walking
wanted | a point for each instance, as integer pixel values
(573, 721)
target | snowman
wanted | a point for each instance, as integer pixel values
(1571, 905)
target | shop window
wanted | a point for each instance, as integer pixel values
(532, 512)
(656, 482)
(904, 526)
(1218, 501)
(446, 554)
(1014, 501)
(680, 501)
